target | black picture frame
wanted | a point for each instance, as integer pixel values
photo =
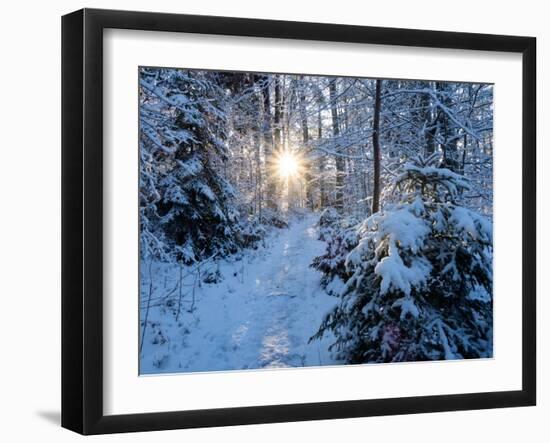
(82, 215)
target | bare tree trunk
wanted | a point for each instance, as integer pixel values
(258, 167)
(339, 203)
(376, 148)
(305, 139)
(271, 188)
(277, 120)
(277, 139)
(303, 116)
(431, 123)
(322, 188)
(450, 159)
(364, 177)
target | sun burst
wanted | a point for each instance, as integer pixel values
(288, 164)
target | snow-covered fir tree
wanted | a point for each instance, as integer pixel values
(418, 284)
(185, 199)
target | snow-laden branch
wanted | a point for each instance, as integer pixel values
(437, 104)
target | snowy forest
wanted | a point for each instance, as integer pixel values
(302, 220)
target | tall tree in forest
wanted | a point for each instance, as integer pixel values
(185, 201)
(278, 115)
(339, 161)
(320, 100)
(305, 139)
(376, 147)
(429, 120)
(449, 130)
(256, 100)
(268, 143)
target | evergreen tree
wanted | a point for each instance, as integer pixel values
(418, 285)
(185, 198)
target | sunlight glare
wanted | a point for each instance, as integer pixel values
(287, 164)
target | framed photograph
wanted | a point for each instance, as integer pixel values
(269, 221)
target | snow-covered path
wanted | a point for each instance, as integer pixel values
(260, 316)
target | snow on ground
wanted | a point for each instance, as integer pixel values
(260, 315)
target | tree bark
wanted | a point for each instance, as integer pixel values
(305, 139)
(271, 188)
(277, 120)
(430, 124)
(450, 132)
(376, 148)
(339, 201)
(322, 187)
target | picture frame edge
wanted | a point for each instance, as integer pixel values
(82, 359)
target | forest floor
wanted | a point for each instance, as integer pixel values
(260, 315)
